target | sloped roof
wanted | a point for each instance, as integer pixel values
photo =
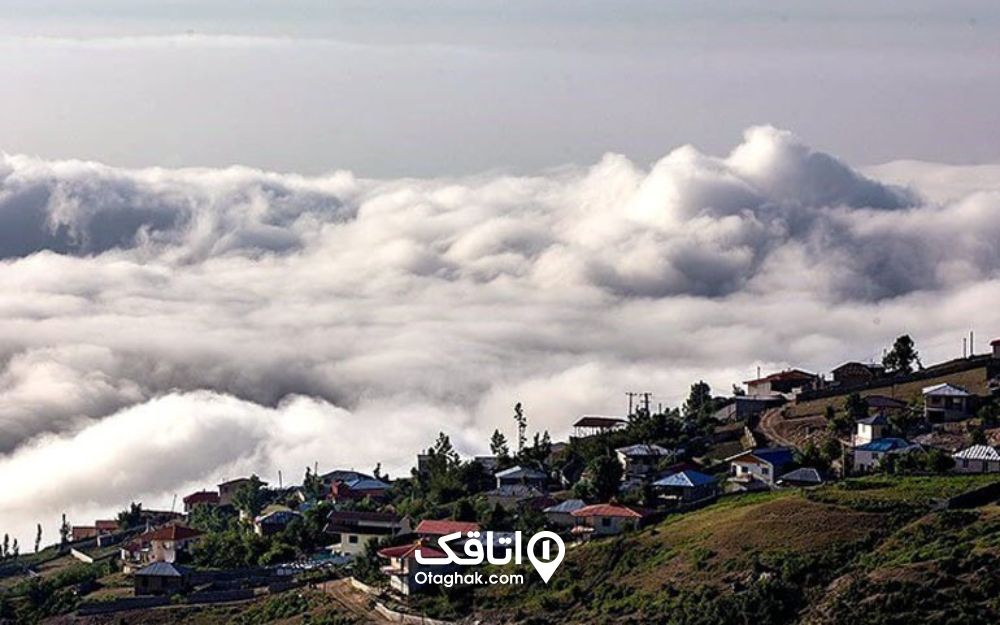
(946, 390)
(170, 532)
(609, 510)
(566, 507)
(345, 475)
(367, 484)
(775, 456)
(405, 551)
(885, 444)
(878, 419)
(782, 376)
(164, 569)
(515, 490)
(643, 450)
(203, 496)
(804, 474)
(520, 472)
(978, 452)
(594, 421)
(278, 517)
(882, 401)
(356, 516)
(685, 479)
(434, 527)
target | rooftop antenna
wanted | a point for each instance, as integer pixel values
(280, 485)
(972, 344)
(965, 347)
(173, 504)
(758, 372)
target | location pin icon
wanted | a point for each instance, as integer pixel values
(544, 565)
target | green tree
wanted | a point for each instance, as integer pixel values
(979, 437)
(131, 517)
(38, 538)
(902, 357)
(856, 407)
(312, 486)
(249, 498)
(605, 474)
(498, 445)
(522, 426)
(699, 403)
(63, 532)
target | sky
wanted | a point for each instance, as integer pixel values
(237, 236)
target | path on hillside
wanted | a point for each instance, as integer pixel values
(768, 427)
(353, 600)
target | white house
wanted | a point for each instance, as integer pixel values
(352, 530)
(403, 567)
(605, 519)
(763, 465)
(867, 457)
(947, 402)
(641, 460)
(870, 429)
(977, 459)
(161, 545)
(561, 515)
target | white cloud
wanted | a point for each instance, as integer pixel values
(167, 328)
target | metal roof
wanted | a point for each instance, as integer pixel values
(522, 472)
(685, 479)
(164, 569)
(804, 474)
(885, 444)
(946, 390)
(643, 450)
(567, 507)
(978, 452)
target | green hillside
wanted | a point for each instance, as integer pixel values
(865, 551)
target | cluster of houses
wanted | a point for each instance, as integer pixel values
(668, 478)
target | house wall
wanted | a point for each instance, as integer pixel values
(560, 519)
(761, 471)
(976, 466)
(609, 526)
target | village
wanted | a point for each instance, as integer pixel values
(788, 429)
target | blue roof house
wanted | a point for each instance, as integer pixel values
(869, 456)
(687, 487)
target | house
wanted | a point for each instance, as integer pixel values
(804, 477)
(430, 530)
(274, 520)
(641, 460)
(762, 465)
(605, 519)
(358, 489)
(786, 383)
(750, 407)
(403, 567)
(99, 528)
(869, 429)
(947, 402)
(856, 374)
(490, 464)
(510, 496)
(523, 476)
(343, 475)
(353, 530)
(977, 459)
(161, 578)
(228, 489)
(561, 515)
(867, 457)
(169, 543)
(687, 487)
(592, 425)
(884, 404)
(201, 498)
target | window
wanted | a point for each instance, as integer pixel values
(605, 522)
(765, 471)
(352, 539)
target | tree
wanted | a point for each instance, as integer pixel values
(979, 437)
(249, 497)
(15, 550)
(699, 403)
(498, 445)
(903, 355)
(522, 426)
(38, 538)
(312, 486)
(856, 407)
(63, 532)
(130, 518)
(738, 391)
(5, 549)
(605, 476)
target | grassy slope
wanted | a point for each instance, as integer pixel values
(774, 558)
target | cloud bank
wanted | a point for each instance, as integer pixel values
(165, 329)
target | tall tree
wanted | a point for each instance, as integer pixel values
(312, 486)
(249, 498)
(902, 357)
(856, 407)
(63, 532)
(498, 445)
(522, 427)
(605, 476)
(699, 402)
(38, 538)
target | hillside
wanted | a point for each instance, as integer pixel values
(868, 552)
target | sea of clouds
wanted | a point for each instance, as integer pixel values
(161, 330)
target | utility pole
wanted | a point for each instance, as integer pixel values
(645, 401)
(631, 396)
